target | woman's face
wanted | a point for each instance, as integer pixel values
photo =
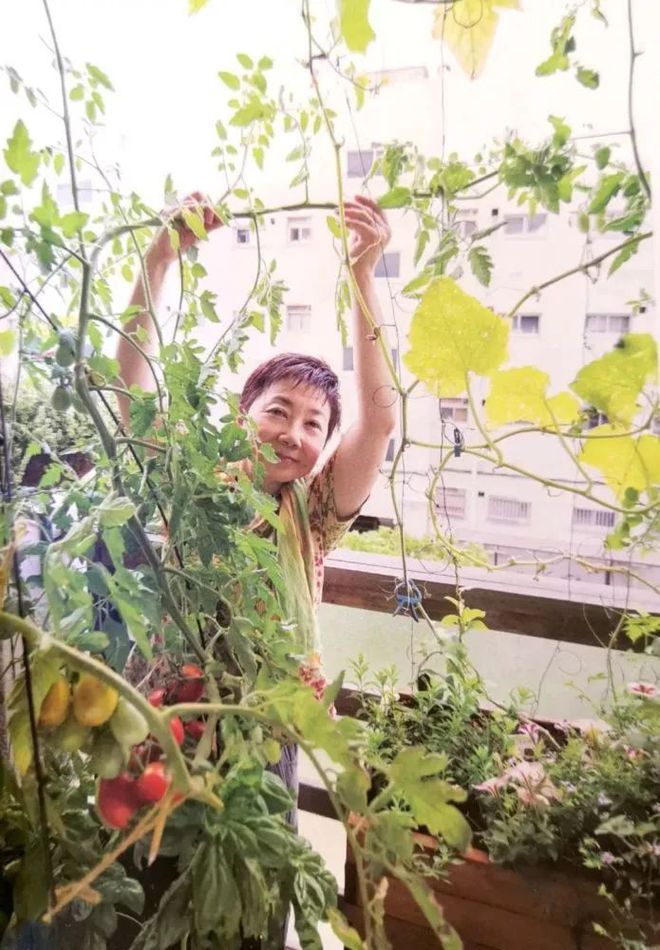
(293, 419)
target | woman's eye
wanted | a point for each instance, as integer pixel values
(276, 412)
(315, 425)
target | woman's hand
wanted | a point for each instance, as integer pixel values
(370, 234)
(199, 205)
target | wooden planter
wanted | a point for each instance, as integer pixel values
(493, 908)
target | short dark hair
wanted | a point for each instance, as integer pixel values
(299, 369)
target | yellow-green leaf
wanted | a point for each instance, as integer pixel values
(7, 341)
(19, 156)
(623, 462)
(520, 394)
(44, 671)
(348, 936)
(415, 775)
(194, 6)
(564, 408)
(614, 382)
(354, 24)
(451, 335)
(468, 28)
(195, 222)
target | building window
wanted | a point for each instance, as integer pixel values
(358, 163)
(593, 518)
(454, 409)
(607, 323)
(466, 223)
(508, 510)
(348, 362)
(525, 322)
(299, 230)
(299, 318)
(389, 455)
(521, 225)
(451, 502)
(388, 265)
(243, 235)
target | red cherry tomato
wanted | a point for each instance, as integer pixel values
(195, 729)
(176, 728)
(156, 697)
(117, 800)
(153, 783)
(192, 672)
(189, 691)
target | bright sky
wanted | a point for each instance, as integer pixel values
(164, 62)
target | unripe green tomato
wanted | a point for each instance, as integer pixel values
(78, 405)
(70, 736)
(128, 725)
(67, 338)
(107, 758)
(64, 356)
(61, 399)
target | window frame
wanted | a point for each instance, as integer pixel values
(451, 405)
(526, 231)
(526, 515)
(242, 229)
(516, 323)
(592, 524)
(301, 310)
(291, 225)
(607, 317)
(443, 504)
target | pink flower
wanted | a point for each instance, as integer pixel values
(643, 689)
(533, 787)
(607, 858)
(492, 785)
(311, 674)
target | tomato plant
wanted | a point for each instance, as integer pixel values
(156, 597)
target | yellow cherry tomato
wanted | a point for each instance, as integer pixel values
(55, 705)
(93, 701)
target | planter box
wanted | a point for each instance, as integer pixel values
(493, 908)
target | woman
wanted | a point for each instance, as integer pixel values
(294, 401)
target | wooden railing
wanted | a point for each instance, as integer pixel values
(513, 602)
(538, 612)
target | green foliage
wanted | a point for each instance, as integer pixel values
(452, 335)
(388, 541)
(519, 394)
(19, 155)
(155, 553)
(354, 24)
(614, 382)
(625, 463)
(415, 774)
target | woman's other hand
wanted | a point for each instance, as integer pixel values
(370, 234)
(195, 204)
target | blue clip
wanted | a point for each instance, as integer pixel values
(408, 602)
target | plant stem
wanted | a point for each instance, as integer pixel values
(580, 269)
(631, 115)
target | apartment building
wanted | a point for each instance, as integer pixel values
(568, 325)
